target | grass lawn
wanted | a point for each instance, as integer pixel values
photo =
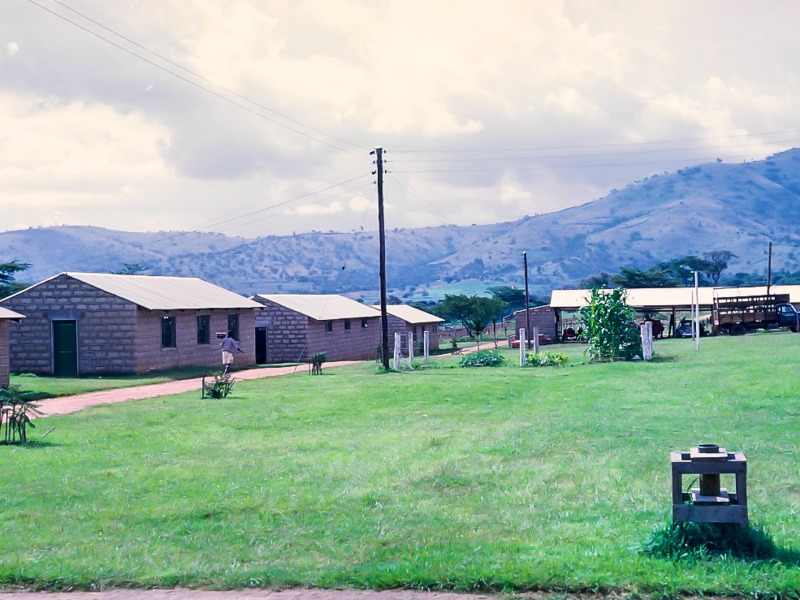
(468, 479)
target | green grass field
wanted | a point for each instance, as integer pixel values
(446, 478)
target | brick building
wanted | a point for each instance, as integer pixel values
(404, 319)
(292, 327)
(543, 317)
(97, 323)
(6, 317)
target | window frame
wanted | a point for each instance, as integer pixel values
(203, 330)
(169, 332)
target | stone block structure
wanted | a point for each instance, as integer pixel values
(6, 317)
(297, 326)
(96, 323)
(543, 317)
(404, 319)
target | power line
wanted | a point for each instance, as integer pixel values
(198, 85)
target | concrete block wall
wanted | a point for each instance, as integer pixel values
(287, 332)
(4, 353)
(357, 343)
(396, 324)
(99, 317)
(151, 356)
(542, 317)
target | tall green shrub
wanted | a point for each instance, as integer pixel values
(610, 326)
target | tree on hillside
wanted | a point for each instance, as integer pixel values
(599, 280)
(8, 272)
(475, 313)
(717, 262)
(514, 298)
(131, 269)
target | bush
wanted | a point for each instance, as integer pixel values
(482, 358)
(545, 359)
(16, 409)
(220, 387)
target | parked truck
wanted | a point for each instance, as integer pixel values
(739, 315)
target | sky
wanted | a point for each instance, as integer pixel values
(257, 117)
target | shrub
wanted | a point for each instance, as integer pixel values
(545, 359)
(220, 387)
(482, 358)
(16, 409)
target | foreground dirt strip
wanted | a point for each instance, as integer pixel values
(69, 404)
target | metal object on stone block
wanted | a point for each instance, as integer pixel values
(709, 502)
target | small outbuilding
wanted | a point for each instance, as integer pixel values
(541, 317)
(407, 320)
(6, 317)
(293, 327)
(99, 323)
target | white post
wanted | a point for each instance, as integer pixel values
(522, 347)
(410, 346)
(536, 340)
(396, 351)
(426, 345)
(646, 329)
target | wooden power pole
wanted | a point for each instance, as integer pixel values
(382, 252)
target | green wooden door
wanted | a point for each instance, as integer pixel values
(65, 348)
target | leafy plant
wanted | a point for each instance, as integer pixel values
(545, 359)
(16, 409)
(609, 326)
(220, 387)
(482, 358)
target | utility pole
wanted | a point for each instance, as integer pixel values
(378, 152)
(769, 268)
(527, 304)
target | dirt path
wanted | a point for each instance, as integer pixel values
(69, 404)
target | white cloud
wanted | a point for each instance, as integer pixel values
(91, 134)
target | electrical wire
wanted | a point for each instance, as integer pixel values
(218, 95)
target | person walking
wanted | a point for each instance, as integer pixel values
(228, 345)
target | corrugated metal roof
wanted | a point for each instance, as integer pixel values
(5, 313)
(669, 297)
(410, 314)
(165, 293)
(322, 307)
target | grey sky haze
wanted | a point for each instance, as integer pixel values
(256, 117)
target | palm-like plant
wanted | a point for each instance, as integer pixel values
(17, 408)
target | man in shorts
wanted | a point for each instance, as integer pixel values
(228, 346)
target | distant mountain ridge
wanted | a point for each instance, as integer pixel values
(736, 207)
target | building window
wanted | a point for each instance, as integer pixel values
(364, 323)
(328, 326)
(203, 329)
(233, 326)
(168, 332)
(347, 324)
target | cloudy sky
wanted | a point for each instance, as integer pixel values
(257, 117)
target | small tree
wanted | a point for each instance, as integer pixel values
(610, 327)
(8, 272)
(16, 409)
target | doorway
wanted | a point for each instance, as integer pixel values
(261, 345)
(65, 348)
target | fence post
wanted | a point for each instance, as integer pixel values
(396, 351)
(426, 344)
(522, 344)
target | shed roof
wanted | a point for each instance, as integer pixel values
(10, 314)
(672, 297)
(322, 307)
(162, 293)
(410, 314)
